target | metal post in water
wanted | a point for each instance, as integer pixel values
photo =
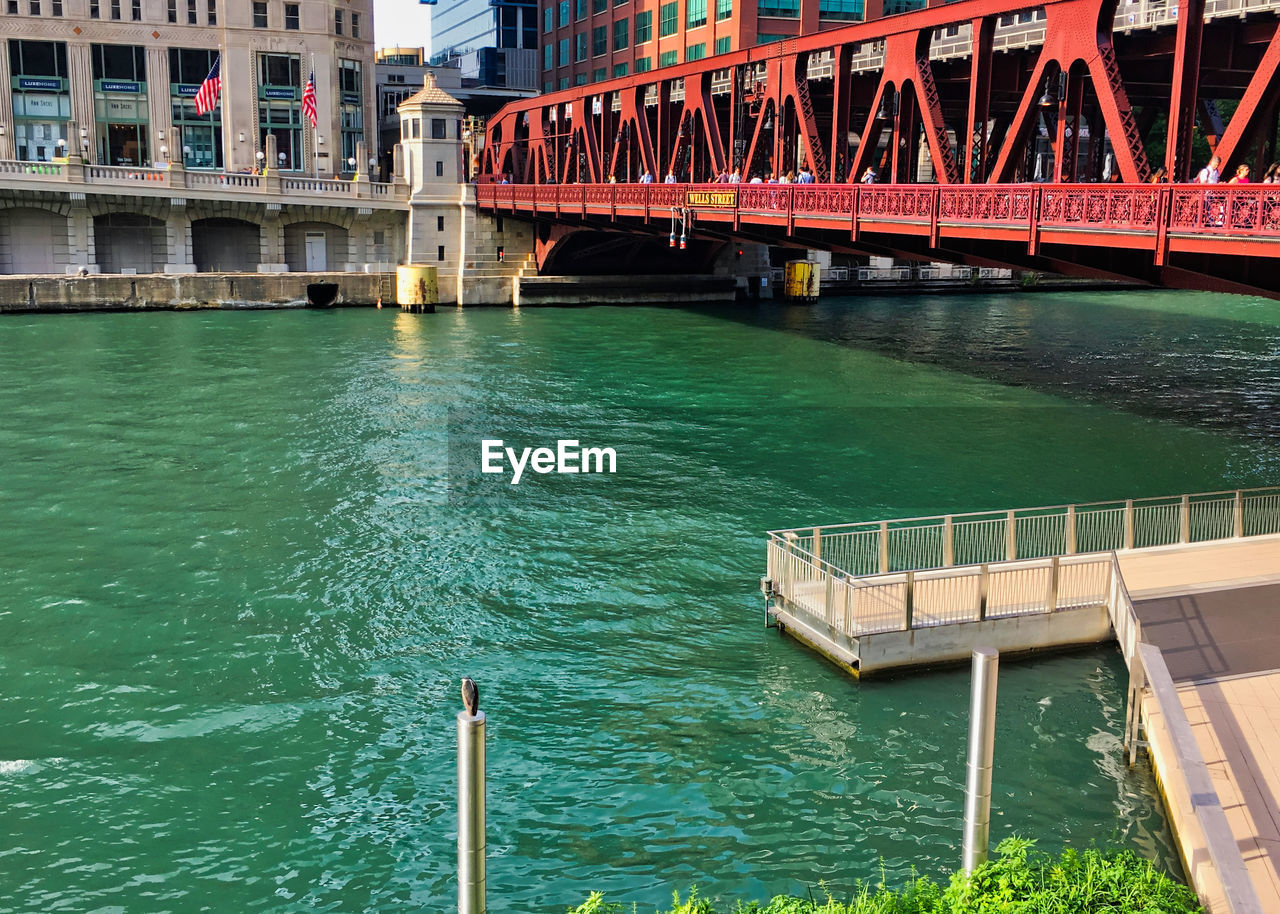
(982, 739)
(471, 829)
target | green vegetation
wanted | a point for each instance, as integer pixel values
(1018, 880)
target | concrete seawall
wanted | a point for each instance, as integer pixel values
(189, 291)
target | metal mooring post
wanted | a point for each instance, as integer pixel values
(471, 836)
(982, 741)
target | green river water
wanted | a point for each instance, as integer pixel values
(248, 556)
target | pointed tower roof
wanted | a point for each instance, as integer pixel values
(429, 94)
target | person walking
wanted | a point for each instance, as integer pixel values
(1210, 173)
(869, 176)
(670, 178)
(806, 176)
(1241, 176)
(647, 177)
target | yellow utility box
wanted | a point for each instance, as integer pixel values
(801, 281)
(416, 288)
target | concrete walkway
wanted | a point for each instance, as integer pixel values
(1221, 643)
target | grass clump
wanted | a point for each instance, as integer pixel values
(1018, 880)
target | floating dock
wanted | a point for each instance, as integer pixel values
(1189, 586)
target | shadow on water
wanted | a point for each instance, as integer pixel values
(1208, 361)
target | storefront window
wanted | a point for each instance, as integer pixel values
(199, 138)
(120, 104)
(280, 108)
(41, 98)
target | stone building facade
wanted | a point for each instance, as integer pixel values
(115, 80)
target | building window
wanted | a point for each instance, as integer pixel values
(763, 38)
(724, 9)
(548, 57)
(668, 58)
(337, 22)
(599, 40)
(291, 16)
(351, 106)
(893, 7)
(548, 86)
(599, 6)
(697, 16)
(191, 12)
(438, 128)
(120, 104)
(669, 19)
(785, 9)
(580, 46)
(198, 136)
(548, 19)
(11, 7)
(212, 12)
(562, 83)
(95, 10)
(35, 8)
(115, 9)
(644, 64)
(55, 7)
(618, 3)
(644, 26)
(580, 7)
(564, 52)
(439, 223)
(847, 10)
(697, 51)
(724, 45)
(439, 169)
(580, 79)
(355, 25)
(440, 253)
(42, 106)
(259, 14)
(173, 11)
(564, 13)
(619, 69)
(280, 107)
(599, 74)
(135, 10)
(620, 36)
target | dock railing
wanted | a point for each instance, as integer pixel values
(943, 541)
(1185, 776)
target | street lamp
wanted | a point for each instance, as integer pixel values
(164, 153)
(351, 161)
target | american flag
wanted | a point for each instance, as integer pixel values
(309, 100)
(207, 97)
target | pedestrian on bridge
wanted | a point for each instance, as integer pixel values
(647, 177)
(869, 176)
(1241, 176)
(1210, 173)
(670, 178)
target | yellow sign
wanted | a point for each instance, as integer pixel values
(714, 199)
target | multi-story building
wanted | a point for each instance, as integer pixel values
(586, 41)
(115, 80)
(494, 42)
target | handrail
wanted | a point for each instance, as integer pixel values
(1224, 851)
(1154, 211)
(986, 537)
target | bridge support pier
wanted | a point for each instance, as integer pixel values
(178, 235)
(81, 253)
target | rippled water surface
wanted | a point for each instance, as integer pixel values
(247, 557)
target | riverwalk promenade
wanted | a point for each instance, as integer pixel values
(1189, 586)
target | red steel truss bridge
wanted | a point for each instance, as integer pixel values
(1000, 134)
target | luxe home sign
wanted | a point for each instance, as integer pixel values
(712, 199)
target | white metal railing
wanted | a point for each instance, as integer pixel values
(883, 274)
(855, 606)
(921, 543)
(1151, 689)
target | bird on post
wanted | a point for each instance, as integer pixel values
(470, 695)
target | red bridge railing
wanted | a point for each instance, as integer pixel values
(1097, 211)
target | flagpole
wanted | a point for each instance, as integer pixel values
(315, 128)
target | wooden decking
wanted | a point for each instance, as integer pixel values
(1213, 610)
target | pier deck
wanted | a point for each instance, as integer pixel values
(1222, 648)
